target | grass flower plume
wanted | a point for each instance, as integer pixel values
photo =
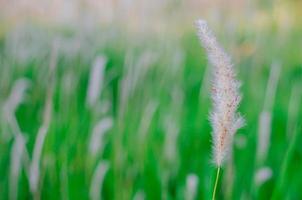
(225, 95)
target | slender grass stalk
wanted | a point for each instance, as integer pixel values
(216, 183)
(278, 192)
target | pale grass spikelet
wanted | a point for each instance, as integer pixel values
(140, 69)
(98, 179)
(272, 84)
(12, 103)
(34, 166)
(146, 119)
(170, 143)
(96, 80)
(17, 154)
(192, 181)
(171, 128)
(98, 135)
(262, 175)
(264, 134)
(16, 96)
(225, 95)
(265, 118)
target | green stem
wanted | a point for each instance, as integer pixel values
(284, 167)
(216, 182)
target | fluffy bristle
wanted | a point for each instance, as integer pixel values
(225, 94)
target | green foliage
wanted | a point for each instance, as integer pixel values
(173, 80)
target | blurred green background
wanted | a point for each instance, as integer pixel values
(111, 99)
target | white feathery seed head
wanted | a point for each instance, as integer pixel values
(17, 95)
(97, 180)
(225, 94)
(264, 135)
(192, 181)
(17, 154)
(262, 175)
(96, 80)
(98, 135)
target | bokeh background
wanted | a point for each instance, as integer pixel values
(110, 99)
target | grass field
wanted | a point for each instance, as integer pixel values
(137, 127)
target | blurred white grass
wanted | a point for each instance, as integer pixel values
(225, 95)
(97, 180)
(139, 195)
(70, 47)
(272, 86)
(262, 175)
(141, 67)
(17, 95)
(42, 132)
(143, 130)
(177, 61)
(171, 130)
(265, 118)
(293, 109)
(146, 120)
(133, 76)
(25, 43)
(125, 84)
(34, 167)
(264, 135)
(16, 158)
(170, 145)
(68, 83)
(19, 155)
(96, 81)
(192, 182)
(97, 139)
(14, 100)
(172, 127)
